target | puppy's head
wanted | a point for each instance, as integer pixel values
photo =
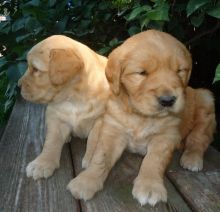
(153, 69)
(52, 64)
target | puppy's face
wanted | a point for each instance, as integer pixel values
(153, 68)
(49, 70)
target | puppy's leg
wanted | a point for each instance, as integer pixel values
(109, 148)
(201, 135)
(197, 142)
(148, 185)
(49, 159)
(92, 143)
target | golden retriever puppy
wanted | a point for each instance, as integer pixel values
(197, 127)
(148, 76)
(70, 78)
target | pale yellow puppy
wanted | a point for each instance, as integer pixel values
(70, 78)
(148, 76)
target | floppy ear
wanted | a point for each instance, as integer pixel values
(64, 65)
(188, 77)
(189, 58)
(113, 72)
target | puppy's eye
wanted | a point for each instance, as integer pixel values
(143, 73)
(34, 69)
(181, 71)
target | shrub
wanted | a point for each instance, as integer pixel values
(102, 25)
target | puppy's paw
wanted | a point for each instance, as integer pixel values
(191, 161)
(84, 187)
(149, 191)
(40, 168)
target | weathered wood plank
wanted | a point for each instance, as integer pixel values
(202, 189)
(116, 195)
(2, 128)
(21, 142)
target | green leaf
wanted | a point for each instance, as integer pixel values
(22, 66)
(197, 20)
(11, 90)
(144, 22)
(31, 24)
(194, 5)
(215, 12)
(217, 74)
(104, 50)
(8, 104)
(52, 3)
(114, 42)
(158, 25)
(3, 62)
(23, 55)
(133, 30)
(160, 13)
(18, 24)
(137, 11)
(23, 37)
(38, 30)
(13, 73)
(18, 49)
(35, 3)
(5, 27)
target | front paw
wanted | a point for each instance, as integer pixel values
(149, 191)
(191, 161)
(40, 168)
(84, 187)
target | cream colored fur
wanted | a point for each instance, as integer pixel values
(68, 77)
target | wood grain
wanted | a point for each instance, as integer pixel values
(2, 128)
(200, 189)
(21, 142)
(116, 195)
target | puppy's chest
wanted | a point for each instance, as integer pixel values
(80, 117)
(140, 135)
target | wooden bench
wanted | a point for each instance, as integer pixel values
(22, 141)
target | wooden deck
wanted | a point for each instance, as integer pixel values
(22, 141)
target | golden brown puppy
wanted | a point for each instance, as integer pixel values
(70, 78)
(148, 75)
(197, 127)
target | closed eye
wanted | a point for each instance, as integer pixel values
(181, 70)
(143, 73)
(34, 69)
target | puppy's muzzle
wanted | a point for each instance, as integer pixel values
(167, 101)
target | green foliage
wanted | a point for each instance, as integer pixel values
(197, 9)
(4, 101)
(101, 24)
(217, 74)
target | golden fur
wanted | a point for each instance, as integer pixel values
(146, 68)
(70, 78)
(197, 127)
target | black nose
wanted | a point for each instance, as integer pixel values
(167, 101)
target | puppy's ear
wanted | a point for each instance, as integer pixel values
(188, 56)
(64, 65)
(188, 77)
(113, 71)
